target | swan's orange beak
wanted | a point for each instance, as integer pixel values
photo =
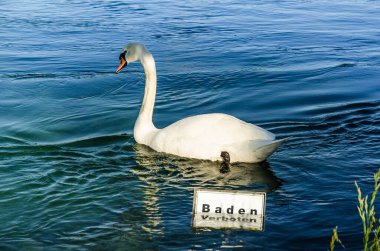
(122, 64)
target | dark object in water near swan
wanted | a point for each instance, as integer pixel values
(225, 166)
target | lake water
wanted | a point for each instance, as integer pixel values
(71, 175)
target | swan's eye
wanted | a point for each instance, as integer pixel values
(122, 55)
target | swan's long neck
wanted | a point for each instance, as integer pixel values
(144, 124)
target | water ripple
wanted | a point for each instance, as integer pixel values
(72, 177)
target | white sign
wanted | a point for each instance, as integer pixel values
(228, 209)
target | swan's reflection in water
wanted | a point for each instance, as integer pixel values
(189, 173)
(161, 172)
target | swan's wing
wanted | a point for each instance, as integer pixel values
(218, 127)
(206, 135)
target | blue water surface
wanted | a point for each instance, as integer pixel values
(72, 176)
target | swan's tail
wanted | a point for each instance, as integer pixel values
(264, 151)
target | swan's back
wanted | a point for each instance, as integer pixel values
(206, 136)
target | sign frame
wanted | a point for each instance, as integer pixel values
(261, 217)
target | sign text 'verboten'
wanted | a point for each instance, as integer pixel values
(228, 209)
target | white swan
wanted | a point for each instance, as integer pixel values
(201, 137)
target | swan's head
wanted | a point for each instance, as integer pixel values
(130, 53)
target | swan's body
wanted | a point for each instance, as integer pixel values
(201, 137)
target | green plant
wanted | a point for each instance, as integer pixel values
(367, 214)
(371, 225)
(334, 238)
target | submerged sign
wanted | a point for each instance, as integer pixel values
(228, 209)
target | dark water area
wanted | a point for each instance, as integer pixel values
(72, 176)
